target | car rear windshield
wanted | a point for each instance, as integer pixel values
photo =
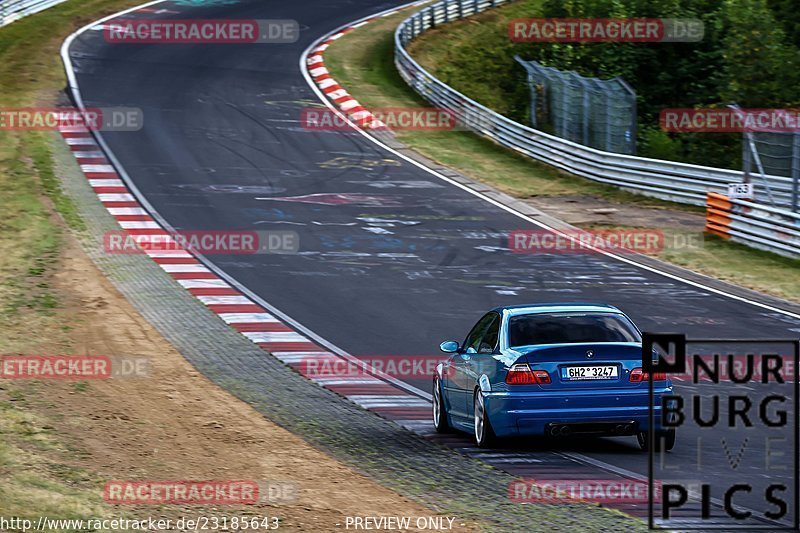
(562, 328)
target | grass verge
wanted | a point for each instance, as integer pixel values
(34, 477)
(362, 62)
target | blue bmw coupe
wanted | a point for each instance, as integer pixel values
(549, 369)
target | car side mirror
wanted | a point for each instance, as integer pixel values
(449, 346)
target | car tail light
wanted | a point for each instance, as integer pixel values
(521, 374)
(637, 376)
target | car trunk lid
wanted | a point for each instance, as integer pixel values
(585, 365)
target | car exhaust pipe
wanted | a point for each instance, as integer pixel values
(619, 429)
(565, 431)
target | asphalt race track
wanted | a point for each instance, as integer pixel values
(392, 260)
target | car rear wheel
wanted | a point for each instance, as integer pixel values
(667, 438)
(439, 410)
(484, 435)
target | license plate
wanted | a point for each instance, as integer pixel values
(589, 373)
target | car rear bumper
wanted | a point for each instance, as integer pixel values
(585, 412)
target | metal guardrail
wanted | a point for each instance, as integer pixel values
(11, 10)
(755, 225)
(669, 180)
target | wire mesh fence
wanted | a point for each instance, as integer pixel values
(590, 111)
(777, 154)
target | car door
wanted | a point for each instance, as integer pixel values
(461, 387)
(483, 361)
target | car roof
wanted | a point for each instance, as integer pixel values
(562, 307)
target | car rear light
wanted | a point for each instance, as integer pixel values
(637, 376)
(521, 374)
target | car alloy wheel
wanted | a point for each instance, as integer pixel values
(484, 436)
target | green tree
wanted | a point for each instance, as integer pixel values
(787, 13)
(760, 68)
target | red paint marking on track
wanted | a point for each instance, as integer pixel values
(200, 275)
(181, 260)
(235, 308)
(131, 203)
(360, 390)
(110, 190)
(404, 413)
(261, 326)
(215, 291)
(291, 346)
(102, 176)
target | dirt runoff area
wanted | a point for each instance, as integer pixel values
(174, 424)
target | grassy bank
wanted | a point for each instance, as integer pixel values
(362, 61)
(35, 475)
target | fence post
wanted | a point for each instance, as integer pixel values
(747, 159)
(532, 89)
(608, 122)
(585, 104)
(565, 122)
(795, 170)
(634, 126)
